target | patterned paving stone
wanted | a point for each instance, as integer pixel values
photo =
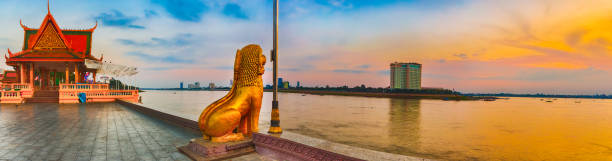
(98, 131)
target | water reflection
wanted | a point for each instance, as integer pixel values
(404, 125)
(514, 129)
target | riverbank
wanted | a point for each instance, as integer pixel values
(596, 96)
(384, 95)
(364, 94)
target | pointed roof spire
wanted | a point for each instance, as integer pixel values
(48, 9)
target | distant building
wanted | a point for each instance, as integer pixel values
(211, 85)
(195, 85)
(181, 86)
(280, 83)
(286, 85)
(405, 75)
(297, 85)
(231, 83)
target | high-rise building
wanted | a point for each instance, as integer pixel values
(297, 85)
(280, 83)
(181, 86)
(405, 76)
(286, 85)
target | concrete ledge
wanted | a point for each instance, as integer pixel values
(267, 149)
(352, 151)
(175, 120)
(284, 149)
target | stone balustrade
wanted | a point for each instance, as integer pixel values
(11, 97)
(25, 90)
(69, 94)
(83, 87)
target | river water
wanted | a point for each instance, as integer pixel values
(506, 129)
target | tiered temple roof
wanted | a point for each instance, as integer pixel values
(50, 43)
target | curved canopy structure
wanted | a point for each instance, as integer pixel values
(109, 69)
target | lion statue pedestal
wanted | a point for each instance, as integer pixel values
(204, 150)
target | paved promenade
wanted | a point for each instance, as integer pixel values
(103, 131)
(110, 131)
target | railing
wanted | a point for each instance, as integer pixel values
(68, 93)
(25, 90)
(11, 94)
(16, 86)
(82, 87)
(71, 96)
(109, 93)
(11, 97)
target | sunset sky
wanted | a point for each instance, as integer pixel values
(518, 46)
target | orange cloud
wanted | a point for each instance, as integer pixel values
(557, 65)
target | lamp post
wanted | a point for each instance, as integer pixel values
(275, 114)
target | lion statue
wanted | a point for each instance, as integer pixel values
(236, 115)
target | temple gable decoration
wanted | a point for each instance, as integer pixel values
(49, 36)
(49, 39)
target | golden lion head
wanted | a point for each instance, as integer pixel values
(249, 66)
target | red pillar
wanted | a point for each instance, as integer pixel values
(67, 75)
(21, 74)
(76, 73)
(32, 74)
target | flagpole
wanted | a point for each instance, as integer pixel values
(275, 114)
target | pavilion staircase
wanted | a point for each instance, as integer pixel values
(44, 96)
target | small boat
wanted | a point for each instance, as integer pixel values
(548, 100)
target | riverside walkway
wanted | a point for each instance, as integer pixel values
(103, 131)
(98, 131)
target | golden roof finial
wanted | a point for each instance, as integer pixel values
(96, 26)
(48, 10)
(23, 26)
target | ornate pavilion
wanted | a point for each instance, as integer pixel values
(51, 66)
(52, 55)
